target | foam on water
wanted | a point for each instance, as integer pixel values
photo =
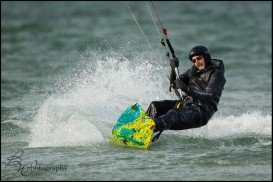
(253, 124)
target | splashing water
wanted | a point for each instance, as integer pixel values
(59, 123)
(84, 114)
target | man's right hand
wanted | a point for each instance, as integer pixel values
(179, 84)
(174, 63)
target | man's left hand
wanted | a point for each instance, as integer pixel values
(179, 84)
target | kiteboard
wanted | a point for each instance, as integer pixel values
(134, 128)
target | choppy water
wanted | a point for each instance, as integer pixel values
(68, 70)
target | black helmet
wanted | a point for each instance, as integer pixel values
(200, 50)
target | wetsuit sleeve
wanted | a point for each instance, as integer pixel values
(185, 77)
(215, 85)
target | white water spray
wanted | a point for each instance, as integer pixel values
(86, 112)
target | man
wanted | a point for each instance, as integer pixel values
(202, 85)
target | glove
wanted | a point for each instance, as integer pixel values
(179, 84)
(174, 63)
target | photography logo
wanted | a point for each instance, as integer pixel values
(26, 169)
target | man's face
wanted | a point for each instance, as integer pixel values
(199, 62)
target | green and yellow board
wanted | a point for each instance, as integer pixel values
(134, 128)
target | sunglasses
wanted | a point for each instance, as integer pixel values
(197, 59)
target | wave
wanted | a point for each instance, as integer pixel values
(13, 128)
(255, 124)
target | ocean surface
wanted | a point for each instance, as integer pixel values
(69, 69)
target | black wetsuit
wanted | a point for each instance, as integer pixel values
(205, 90)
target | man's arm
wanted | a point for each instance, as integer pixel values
(185, 77)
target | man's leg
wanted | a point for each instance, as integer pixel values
(158, 108)
(179, 119)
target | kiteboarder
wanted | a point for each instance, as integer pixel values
(202, 85)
